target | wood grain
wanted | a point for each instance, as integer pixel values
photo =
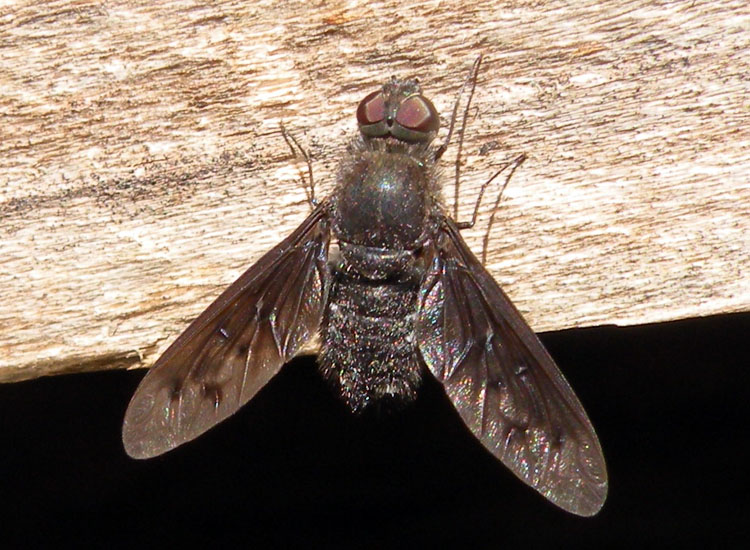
(142, 168)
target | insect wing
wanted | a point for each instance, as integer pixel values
(235, 346)
(504, 384)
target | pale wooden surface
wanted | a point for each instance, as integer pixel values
(142, 169)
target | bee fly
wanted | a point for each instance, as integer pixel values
(403, 298)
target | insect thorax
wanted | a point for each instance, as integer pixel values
(386, 195)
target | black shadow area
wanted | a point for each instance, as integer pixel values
(295, 469)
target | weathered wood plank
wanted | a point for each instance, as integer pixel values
(142, 167)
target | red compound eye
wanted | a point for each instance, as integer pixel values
(417, 113)
(371, 109)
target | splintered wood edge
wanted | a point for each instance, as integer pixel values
(143, 168)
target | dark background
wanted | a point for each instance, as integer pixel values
(294, 468)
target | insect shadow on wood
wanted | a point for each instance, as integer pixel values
(402, 298)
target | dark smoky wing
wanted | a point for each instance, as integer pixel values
(235, 346)
(502, 381)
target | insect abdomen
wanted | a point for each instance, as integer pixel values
(368, 349)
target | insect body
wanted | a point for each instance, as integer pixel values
(403, 298)
(385, 210)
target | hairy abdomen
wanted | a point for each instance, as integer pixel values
(368, 348)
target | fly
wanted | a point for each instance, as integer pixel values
(403, 298)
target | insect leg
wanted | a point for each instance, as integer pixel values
(514, 164)
(471, 81)
(297, 150)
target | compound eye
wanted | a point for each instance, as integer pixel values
(371, 109)
(417, 113)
